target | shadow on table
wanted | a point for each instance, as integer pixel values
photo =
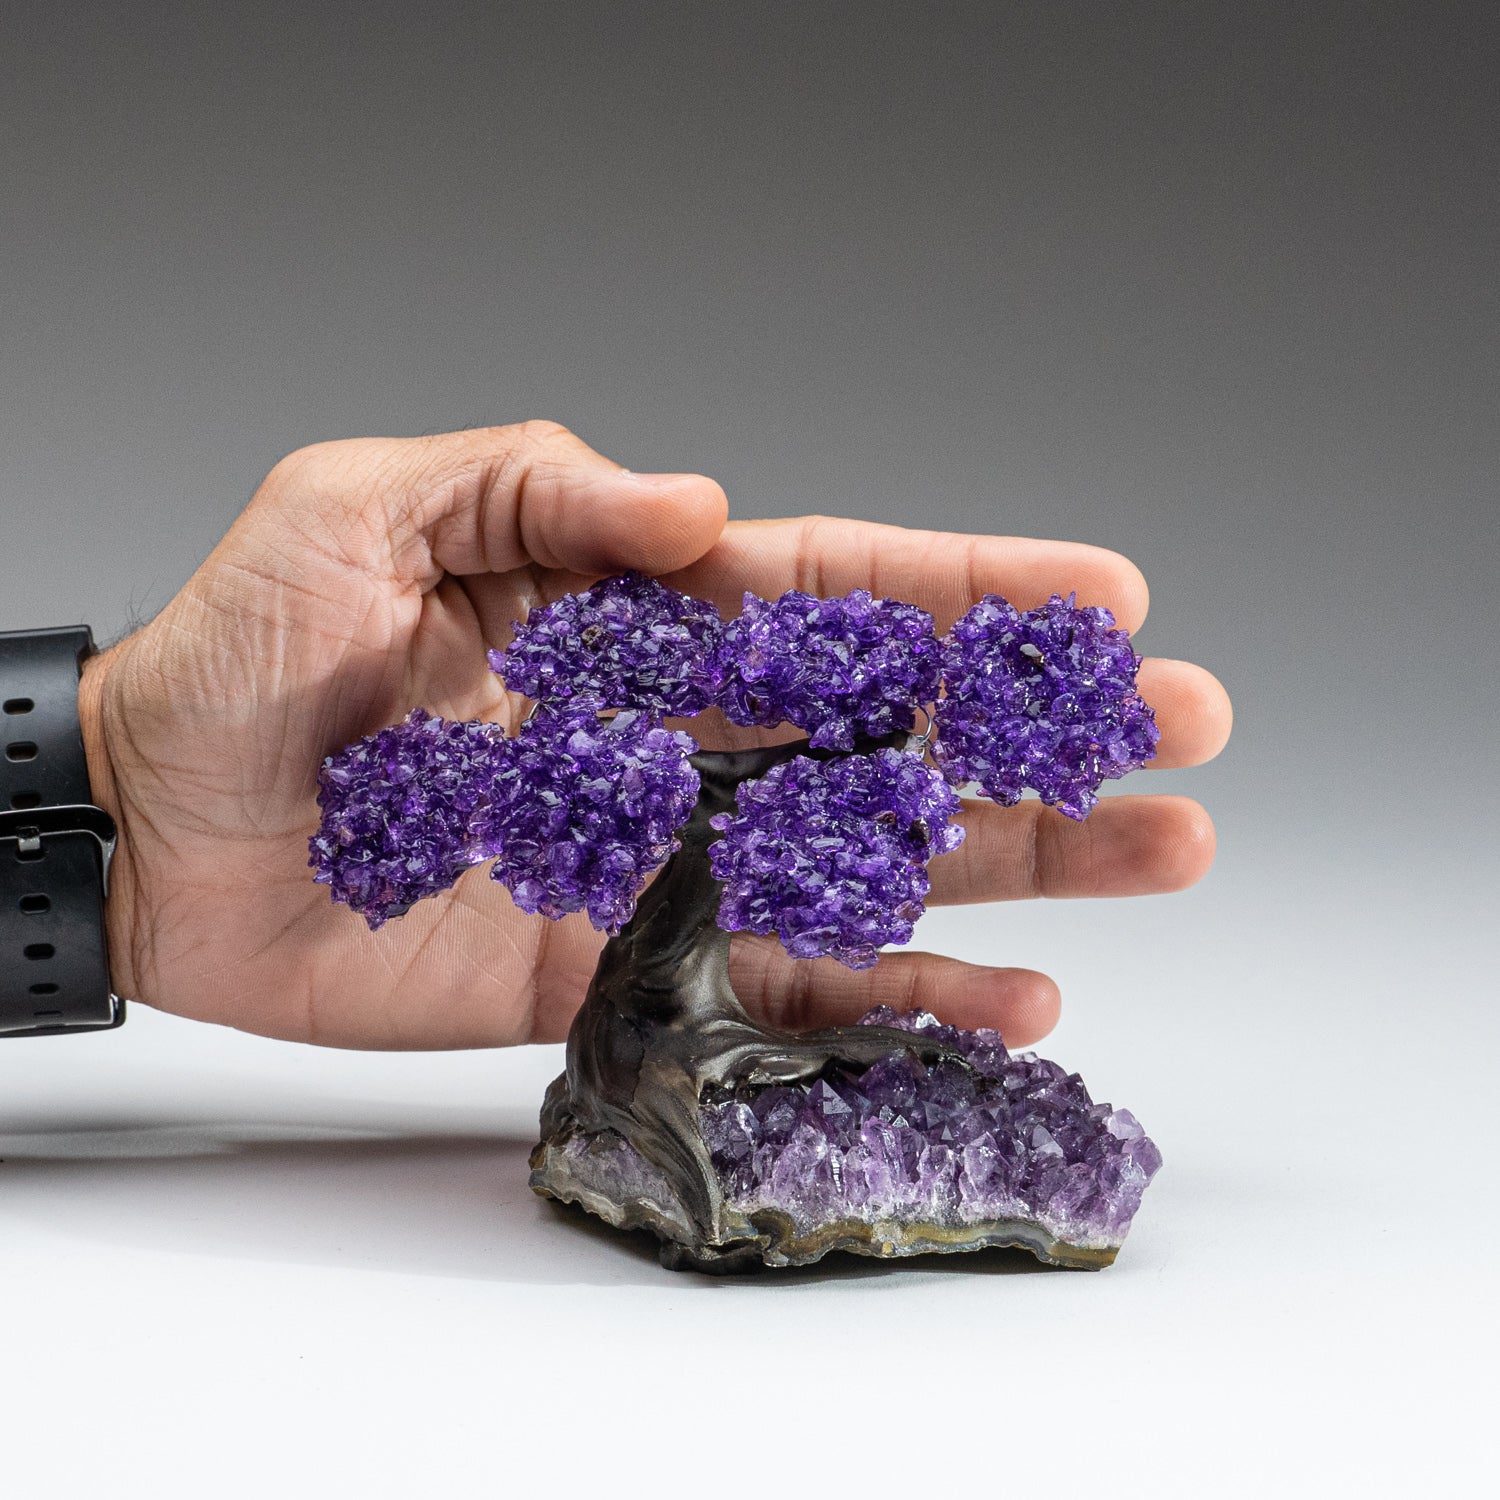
(432, 1201)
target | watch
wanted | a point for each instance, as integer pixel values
(55, 845)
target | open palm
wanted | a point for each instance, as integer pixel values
(368, 577)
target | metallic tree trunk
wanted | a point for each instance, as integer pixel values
(661, 1024)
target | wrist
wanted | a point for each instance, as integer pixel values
(97, 716)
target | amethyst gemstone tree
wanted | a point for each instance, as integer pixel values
(736, 1143)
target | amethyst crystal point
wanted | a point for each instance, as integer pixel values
(627, 642)
(396, 809)
(1045, 699)
(584, 810)
(831, 855)
(838, 668)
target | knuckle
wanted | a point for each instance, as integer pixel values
(1035, 863)
(341, 480)
(810, 573)
(536, 432)
(307, 465)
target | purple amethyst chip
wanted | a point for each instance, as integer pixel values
(396, 808)
(585, 810)
(838, 668)
(627, 642)
(1009, 1137)
(831, 855)
(1044, 698)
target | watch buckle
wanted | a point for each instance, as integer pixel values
(31, 826)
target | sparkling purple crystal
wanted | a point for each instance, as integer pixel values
(1044, 698)
(831, 855)
(838, 668)
(1009, 1137)
(627, 642)
(395, 812)
(584, 810)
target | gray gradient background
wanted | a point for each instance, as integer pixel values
(1213, 285)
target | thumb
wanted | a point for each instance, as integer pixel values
(487, 501)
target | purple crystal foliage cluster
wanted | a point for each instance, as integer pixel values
(627, 642)
(1044, 698)
(831, 856)
(396, 812)
(1011, 1136)
(582, 810)
(575, 812)
(828, 854)
(837, 668)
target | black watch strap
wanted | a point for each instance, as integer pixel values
(55, 845)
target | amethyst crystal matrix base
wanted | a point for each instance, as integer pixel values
(739, 1143)
(978, 1148)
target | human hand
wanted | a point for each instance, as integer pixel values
(368, 577)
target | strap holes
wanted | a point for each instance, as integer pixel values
(38, 950)
(34, 906)
(29, 856)
(26, 799)
(44, 989)
(48, 1015)
(19, 705)
(21, 750)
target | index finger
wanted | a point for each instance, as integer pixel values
(942, 572)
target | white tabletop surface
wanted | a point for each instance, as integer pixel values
(237, 1267)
